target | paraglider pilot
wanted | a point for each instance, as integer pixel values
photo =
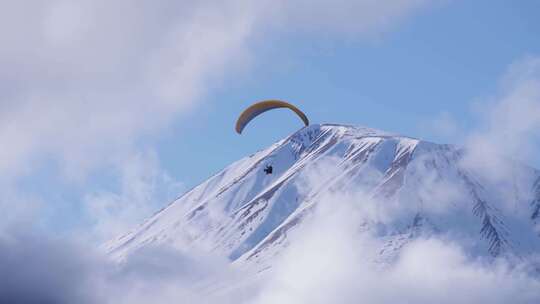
(268, 169)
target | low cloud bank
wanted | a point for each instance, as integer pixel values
(330, 261)
(36, 269)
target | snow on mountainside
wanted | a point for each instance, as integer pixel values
(247, 215)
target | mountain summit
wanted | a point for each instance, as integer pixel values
(419, 187)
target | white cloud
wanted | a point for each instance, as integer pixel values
(37, 269)
(510, 122)
(91, 77)
(330, 260)
(144, 188)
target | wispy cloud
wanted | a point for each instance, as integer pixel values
(144, 188)
(510, 121)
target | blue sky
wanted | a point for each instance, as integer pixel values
(109, 110)
(435, 64)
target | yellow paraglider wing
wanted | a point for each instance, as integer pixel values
(263, 106)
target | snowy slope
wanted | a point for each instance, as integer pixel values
(245, 214)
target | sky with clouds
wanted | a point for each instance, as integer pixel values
(110, 109)
(94, 91)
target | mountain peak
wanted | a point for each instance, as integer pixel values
(344, 130)
(245, 213)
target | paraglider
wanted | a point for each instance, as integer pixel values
(260, 107)
(268, 170)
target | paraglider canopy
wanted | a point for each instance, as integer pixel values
(263, 106)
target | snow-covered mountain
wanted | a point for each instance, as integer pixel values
(421, 187)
